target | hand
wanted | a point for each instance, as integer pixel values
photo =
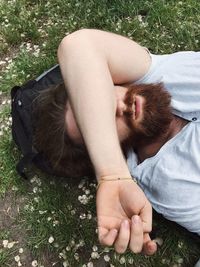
(124, 217)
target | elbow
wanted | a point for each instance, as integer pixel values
(74, 41)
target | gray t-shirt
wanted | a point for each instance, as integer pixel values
(171, 178)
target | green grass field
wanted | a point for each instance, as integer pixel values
(48, 222)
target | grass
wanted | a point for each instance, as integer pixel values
(48, 218)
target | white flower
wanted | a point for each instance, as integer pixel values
(35, 189)
(94, 248)
(95, 255)
(90, 264)
(180, 260)
(34, 263)
(17, 258)
(32, 208)
(73, 212)
(106, 258)
(81, 184)
(68, 248)
(180, 244)
(21, 250)
(62, 255)
(83, 199)
(51, 239)
(55, 223)
(72, 242)
(122, 260)
(76, 256)
(87, 191)
(81, 243)
(89, 216)
(36, 199)
(19, 264)
(130, 260)
(33, 179)
(82, 216)
(5, 243)
(65, 264)
(11, 244)
(42, 212)
(14, 188)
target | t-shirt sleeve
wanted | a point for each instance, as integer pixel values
(179, 72)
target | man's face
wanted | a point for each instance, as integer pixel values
(142, 114)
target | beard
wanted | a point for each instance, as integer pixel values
(156, 118)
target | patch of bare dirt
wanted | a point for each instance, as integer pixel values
(6, 57)
(10, 208)
(3, 99)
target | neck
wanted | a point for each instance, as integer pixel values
(149, 150)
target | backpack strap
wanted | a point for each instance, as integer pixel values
(25, 144)
(22, 164)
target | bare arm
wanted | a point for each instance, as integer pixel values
(91, 62)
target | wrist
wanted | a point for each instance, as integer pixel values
(118, 178)
(113, 175)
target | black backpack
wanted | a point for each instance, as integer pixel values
(22, 126)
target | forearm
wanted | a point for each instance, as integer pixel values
(91, 62)
(91, 91)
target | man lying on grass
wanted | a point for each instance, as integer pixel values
(119, 93)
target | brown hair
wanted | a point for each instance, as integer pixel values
(50, 136)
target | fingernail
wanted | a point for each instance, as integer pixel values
(135, 219)
(151, 247)
(126, 224)
(115, 231)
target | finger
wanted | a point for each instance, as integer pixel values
(150, 246)
(107, 237)
(123, 238)
(146, 217)
(136, 238)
